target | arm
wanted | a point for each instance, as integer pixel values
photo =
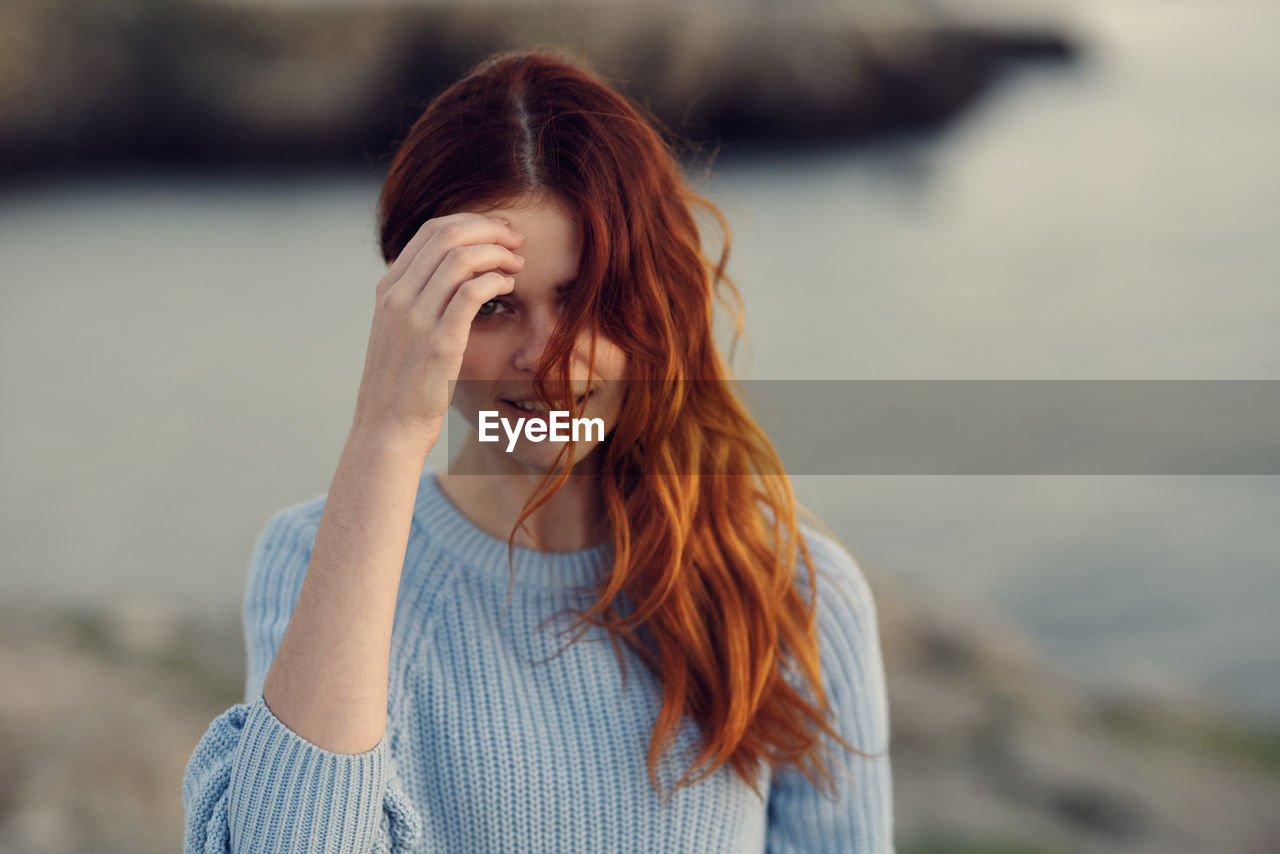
(802, 818)
(328, 681)
(303, 765)
(255, 783)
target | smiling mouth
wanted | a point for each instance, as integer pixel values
(536, 408)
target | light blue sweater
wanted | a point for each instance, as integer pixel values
(487, 751)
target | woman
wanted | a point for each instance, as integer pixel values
(403, 692)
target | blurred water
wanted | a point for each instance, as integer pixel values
(179, 356)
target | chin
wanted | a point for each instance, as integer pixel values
(541, 457)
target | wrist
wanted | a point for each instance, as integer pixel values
(380, 439)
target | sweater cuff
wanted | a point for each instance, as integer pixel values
(288, 794)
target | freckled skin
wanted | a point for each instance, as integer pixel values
(510, 333)
(506, 341)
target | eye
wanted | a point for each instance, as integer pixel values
(489, 309)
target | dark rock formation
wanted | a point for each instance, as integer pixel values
(181, 81)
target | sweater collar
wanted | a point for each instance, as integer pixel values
(454, 533)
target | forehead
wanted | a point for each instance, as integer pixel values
(552, 244)
(547, 216)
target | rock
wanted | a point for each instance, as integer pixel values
(991, 749)
(98, 718)
(180, 81)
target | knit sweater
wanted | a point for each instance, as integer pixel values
(496, 744)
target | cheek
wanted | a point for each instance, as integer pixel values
(482, 358)
(611, 361)
(618, 366)
(613, 402)
(612, 368)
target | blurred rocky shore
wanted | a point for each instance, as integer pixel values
(992, 751)
(159, 82)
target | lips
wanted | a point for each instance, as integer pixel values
(534, 407)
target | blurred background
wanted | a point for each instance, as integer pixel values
(1065, 189)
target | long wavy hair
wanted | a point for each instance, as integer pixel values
(687, 477)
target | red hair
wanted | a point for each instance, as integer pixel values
(687, 478)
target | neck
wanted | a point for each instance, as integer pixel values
(494, 490)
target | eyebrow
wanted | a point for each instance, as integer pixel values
(560, 289)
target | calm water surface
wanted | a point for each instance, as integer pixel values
(179, 356)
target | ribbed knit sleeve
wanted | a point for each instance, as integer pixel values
(252, 784)
(802, 819)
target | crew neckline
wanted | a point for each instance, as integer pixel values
(454, 533)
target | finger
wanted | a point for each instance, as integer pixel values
(424, 233)
(452, 240)
(420, 237)
(456, 320)
(461, 266)
(460, 263)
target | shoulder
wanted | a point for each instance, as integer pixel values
(291, 530)
(802, 816)
(843, 592)
(282, 552)
(848, 634)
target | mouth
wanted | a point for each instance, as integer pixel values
(533, 407)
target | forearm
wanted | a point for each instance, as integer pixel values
(328, 681)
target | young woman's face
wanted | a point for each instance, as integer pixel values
(509, 334)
